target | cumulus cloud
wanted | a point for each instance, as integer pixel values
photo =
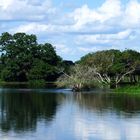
(105, 38)
(33, 28)
(112, 12)
(85, 15)
(112, 24)
(109, 26)
(25, 9)
(132, 14)
(84, 20)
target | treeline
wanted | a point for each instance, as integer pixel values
(22, 59)
(104, 68)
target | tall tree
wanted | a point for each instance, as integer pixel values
(21, 56)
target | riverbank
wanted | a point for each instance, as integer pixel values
(32, 84)
(131, 89)
(135, 89)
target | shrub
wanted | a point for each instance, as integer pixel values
(37, 83)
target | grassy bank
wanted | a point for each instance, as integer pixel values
(135, 89)
(2, 82)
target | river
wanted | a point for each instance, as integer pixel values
(51, 114)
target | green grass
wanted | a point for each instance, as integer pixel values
(2, 82)
(135, 89)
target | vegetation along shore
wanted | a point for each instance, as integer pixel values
(23, 59)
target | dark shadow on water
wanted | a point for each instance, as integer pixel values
(21, 112)
(124, 105)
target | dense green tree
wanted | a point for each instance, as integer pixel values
(112, 65)
(42, 70)
(22, 58)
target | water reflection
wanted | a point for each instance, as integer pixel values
(40, 115)
(21, 111)
(104, 116)
(122, 104)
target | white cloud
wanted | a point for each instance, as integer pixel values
(132, 14)
(87, 50)
(25, 10)
(110, 12)
(62, 49)
(32, 28)
(86, 20)
(89, 29)
(38, 28)
(110, 9)
(84, 15)
(5, 3)
(105, 38)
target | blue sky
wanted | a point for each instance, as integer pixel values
(75, 27)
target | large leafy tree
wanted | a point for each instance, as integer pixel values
(23, 58)
(111, 66)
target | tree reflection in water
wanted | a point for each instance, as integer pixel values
(122, 104)
(21, 111)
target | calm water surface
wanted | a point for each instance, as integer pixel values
(40, 114)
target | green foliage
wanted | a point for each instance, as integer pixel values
(42, 70)
(6, 74)
(112, 65)
(37, 83)
(111, 61)
(1, 82)
(131, 89)
(37, 71)
(66, 65)
(22, 58)
(103, 60)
